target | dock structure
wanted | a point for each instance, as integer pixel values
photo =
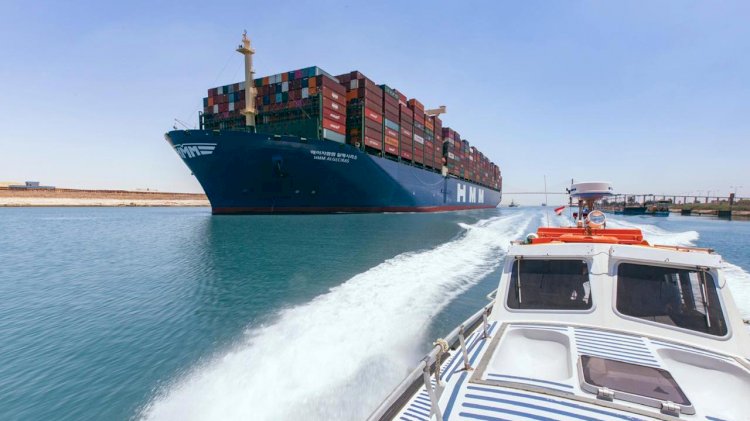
(721, 206)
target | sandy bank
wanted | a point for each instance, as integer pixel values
(60, 201)
(74, 197)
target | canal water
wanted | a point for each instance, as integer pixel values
(174, 314)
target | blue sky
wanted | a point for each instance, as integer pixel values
(652, 96)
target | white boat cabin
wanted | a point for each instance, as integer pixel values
(593, 325)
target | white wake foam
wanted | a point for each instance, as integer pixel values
(656, 235)
(739, 283)
(337, 356)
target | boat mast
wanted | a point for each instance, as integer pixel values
(246, 50)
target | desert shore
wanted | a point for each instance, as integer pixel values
(108, 198)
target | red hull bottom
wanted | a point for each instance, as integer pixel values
(313, 210)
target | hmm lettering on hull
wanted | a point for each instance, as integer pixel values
(469, 194)
(191, 150)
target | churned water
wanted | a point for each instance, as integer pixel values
(174, 314)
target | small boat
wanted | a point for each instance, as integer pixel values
(590, 323)
(513, 204)
(660, 208)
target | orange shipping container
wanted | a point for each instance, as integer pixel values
(391, 141)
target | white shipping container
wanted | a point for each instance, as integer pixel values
(305, 92)
(284, 86)
(336, 137)
(418, 138)
(216, 109)
(354, 84)
(231, 106)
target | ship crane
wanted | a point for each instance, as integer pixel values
(436, 111)
(249, 111)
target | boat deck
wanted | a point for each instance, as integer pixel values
(539, 389)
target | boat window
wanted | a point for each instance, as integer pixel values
(686, 298)
(549, 285)
(649, 382)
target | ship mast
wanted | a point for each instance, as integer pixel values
(249, 111)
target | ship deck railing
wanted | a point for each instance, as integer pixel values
(430, 366)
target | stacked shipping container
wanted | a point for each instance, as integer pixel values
(391, 121)
(418, 130)
(406, 121)
(351, 108)
(306, 102)
(364, 111)
(223, 104)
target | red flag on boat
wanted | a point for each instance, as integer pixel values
(559, 210)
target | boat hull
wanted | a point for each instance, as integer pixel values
(243, 172)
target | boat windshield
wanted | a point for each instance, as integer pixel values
(684, 298)
(549, 285)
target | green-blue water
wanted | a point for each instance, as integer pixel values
(114, 313)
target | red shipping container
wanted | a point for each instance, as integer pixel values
(330, 93)
(391, 149)
(405, 111)
(374, 116)
(334, 126)
(334, 116)
(327, 82)
(405, 132)
(406, 155)
(373, 125)
(373, 143)
(332, 105)
(391, 133)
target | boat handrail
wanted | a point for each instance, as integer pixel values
(400, 395)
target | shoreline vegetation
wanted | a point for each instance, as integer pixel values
(98, 198)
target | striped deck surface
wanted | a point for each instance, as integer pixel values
(465, 400)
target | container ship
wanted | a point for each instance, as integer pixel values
(306, 141)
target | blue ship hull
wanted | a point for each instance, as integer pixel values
(243, 172)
